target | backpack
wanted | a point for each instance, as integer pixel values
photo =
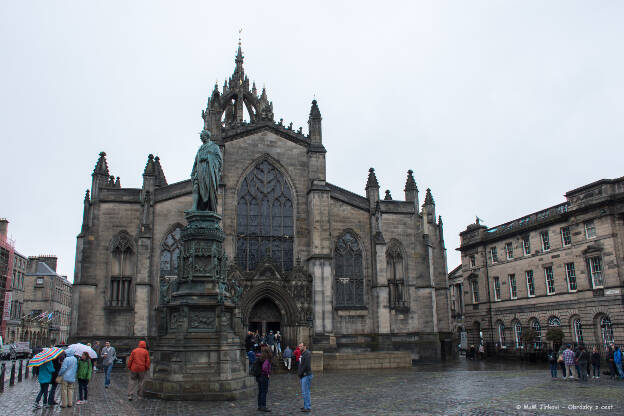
(256, 368)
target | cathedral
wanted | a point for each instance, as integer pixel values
(342, 271)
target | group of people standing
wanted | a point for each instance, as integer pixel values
(261, 358)
(69, 368)
(584, 363)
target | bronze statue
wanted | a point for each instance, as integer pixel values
(206, 174)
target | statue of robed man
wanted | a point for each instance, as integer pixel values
(206, 174)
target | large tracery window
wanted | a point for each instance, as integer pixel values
(349, 271)
(264, 219)
(122, 271)
(395, 270)
(170, 252)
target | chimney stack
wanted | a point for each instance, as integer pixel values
(4, 228)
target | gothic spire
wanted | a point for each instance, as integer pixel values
(101, 167)
(160, 174)
(87, 197)
(410, 184)
(372, 179)
(150, 168)
(429, 198)
(315, 113)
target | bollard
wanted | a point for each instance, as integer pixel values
(12, 378)
(2, 371)
(19, 373)
(26, 375)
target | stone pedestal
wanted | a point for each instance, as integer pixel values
(198, 354)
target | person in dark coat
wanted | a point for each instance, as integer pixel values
(57, 363)
(263, 378)
(611, 361)
(552, 360)
(582, 359)
(595, 361)
(305, 375)
(249, 342)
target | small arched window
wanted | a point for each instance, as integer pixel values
(554, 321)
(518, 334)
(122, 270)
(538, 334)
(395, 269)
(578, 331)
(348, 270)
(170, 252)
(606, 330)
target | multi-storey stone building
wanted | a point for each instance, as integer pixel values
(47, 297)
(456, 299)
(560, 267)
(317, 262)
(14, 324)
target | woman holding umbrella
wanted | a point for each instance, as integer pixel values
(43, 362)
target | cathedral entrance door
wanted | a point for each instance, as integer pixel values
(265, 316)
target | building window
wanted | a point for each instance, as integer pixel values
(571, 277)
(538, 334)
(606, 330)
(501, 333)
(590, 229)
(395, 269)
(264, 219)
(474, 285)
(170, 252)
(513, 290)
(348, 271)
(473, 260)
(526, 245)
(545, 240)
(518, 334)
(530, 283)
(493, 254)
(122, 271)
(39, 281)
(509, 251)
(497, 290)
(554, 321)
(566, 238)
(594, 267)
(578, 331)
(550, 280)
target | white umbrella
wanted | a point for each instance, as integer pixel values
(79, 349)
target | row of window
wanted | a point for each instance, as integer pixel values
(19, 263)
(62, 297)
(544, 239)
(16, 309)
(18, 280)
(594, 270)
(605, 326)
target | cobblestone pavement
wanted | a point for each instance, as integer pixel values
(456, 388)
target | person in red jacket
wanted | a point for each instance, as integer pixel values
(297, 354)
(138, 364)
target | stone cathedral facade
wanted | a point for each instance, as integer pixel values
(342, 271)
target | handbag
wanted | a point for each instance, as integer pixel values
(59, 380)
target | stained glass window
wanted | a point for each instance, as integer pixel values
(264, 219)
(169, 253)
(395, 270)
(348, 271)
(122, 271)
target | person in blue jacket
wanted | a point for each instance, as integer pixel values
(68, 372)
(45, 377)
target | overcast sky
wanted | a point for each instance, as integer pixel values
(499, 107)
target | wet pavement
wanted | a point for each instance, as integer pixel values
(456, 388)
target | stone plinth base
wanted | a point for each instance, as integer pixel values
(366, 360)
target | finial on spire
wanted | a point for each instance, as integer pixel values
(410, 184)
(429, 198)
(150, 169)
(388, 197)
(372, 179)
(315, 113)
(101, 167)
(240, 31)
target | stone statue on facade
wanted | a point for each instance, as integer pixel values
(206, 174)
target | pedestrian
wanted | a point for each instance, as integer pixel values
(583, 359)
(249, 341)
(610, 361)
(278, 342)
(561, 362)
(297, 354)
(305, 375)
(577, 353)
(472, 352)
(45, 377)
(552, 360)
(568, 358)
(264, 362)
(617, 359)
(251, 356)
(97, 362)
(109, 355)
(57, 362)
(67, 373)
(85, 370)
(481, 352)
(138, 364)
(287, 357)
(595, 361)
(270, 341)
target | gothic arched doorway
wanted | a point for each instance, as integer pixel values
(265, 316)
